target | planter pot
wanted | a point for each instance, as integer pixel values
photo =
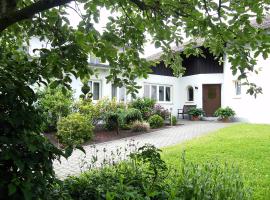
(195, 118)
(225, 120)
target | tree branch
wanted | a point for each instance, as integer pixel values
(28, 12)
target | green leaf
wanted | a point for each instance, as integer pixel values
(11, 189)
(157, 44)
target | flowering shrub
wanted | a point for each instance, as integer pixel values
(162, 112)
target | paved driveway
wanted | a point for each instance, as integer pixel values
(118, 149)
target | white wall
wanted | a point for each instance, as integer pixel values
(164, 80)
(198, 81)
(179, 87)
(246, 106)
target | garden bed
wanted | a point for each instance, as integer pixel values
(103, 135)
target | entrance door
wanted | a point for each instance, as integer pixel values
(211, 98)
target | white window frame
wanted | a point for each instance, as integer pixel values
(236, 84)
(157, 95)
(92, 88)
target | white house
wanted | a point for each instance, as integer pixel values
(205, 84)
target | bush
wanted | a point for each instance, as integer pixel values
(139, 126)
(107, 105)
(74, 129)
(145, 105)
(132, 115)
(92, 111)
(155, 121)
(97, 112)
(162, 112)
(173, 120)
(196, 112)
(54, 104)
(114, 120)
(224, 113)
(146, 176)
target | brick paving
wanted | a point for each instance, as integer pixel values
(79, 161)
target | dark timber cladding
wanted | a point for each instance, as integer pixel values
(194, 65)
(202, 65)
(161, 69)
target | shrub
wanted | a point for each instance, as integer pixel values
(145, 105)
(114, 120)
(54, 104)
(90, 110)
(162, 112)
(173, 120)
(97, 111)
(224, 113)
(196, 112)
(139, 126)
(132, 115)
(74, 129)
(110, 105)
(146, 176)
(155, 121)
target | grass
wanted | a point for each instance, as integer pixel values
(244, 145)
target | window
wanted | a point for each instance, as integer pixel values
(95, 88)
(190, 93)
(154, 92)
(119, 93)
(146, 91)
(168, 93)
(161, 93)
(237, 88)
(114, 91)
(122, 94)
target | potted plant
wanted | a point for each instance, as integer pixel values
(195, 113)
(224, 114)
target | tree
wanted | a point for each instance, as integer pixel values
(26, 156)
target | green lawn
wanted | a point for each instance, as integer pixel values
(245, 145)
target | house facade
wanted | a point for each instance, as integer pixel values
(206, 84)
(202, 74)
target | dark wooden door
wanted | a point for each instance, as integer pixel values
(211, 98)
